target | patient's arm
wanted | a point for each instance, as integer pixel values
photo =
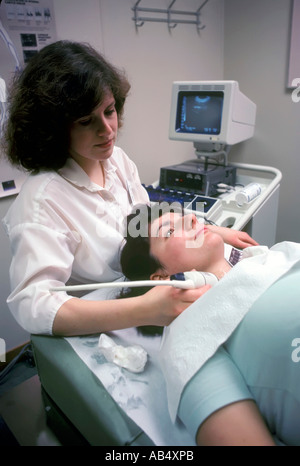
(237, 424)
(238, 239)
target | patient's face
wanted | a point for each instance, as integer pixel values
(182, 243)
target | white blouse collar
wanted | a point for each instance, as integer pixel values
(73, 173)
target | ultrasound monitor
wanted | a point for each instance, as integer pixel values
(210, 114)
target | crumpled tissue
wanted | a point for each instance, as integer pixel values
(132, 358)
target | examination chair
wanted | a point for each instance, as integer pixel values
(79, 409)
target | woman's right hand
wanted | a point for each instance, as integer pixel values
(162, 304)
(158, 307)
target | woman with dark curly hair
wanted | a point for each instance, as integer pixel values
(66, 225)
(60, 85)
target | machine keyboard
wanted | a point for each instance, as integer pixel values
(188, 200)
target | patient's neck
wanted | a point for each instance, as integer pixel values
(220, 268)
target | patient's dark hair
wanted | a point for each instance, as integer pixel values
(137, 262)
(63, 82)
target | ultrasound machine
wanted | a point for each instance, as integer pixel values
(214, 115)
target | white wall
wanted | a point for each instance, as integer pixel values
(153, 58)
(12, 333)
(256, 50)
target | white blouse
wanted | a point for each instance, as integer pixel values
(64, 228)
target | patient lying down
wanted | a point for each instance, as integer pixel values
(208, 373)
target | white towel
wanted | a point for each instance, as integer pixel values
(193, 337)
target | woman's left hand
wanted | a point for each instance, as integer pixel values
(238, 239)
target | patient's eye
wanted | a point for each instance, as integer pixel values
(169, 232)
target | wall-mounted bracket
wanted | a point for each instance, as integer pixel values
(170, 16)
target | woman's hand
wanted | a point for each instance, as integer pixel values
(238, 239)
(162, 304)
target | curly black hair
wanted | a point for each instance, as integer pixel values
(61, 83)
